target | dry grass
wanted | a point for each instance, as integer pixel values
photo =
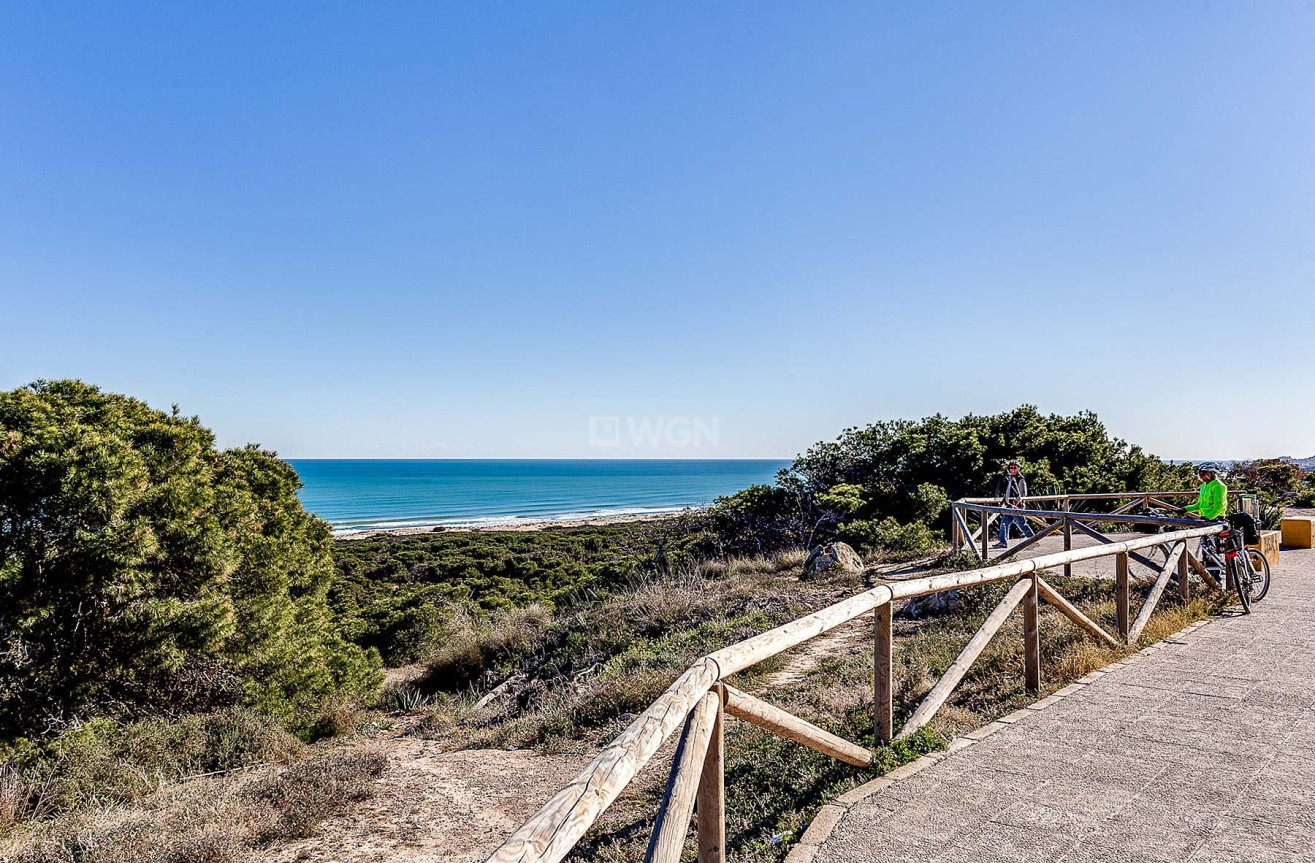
(214, 820)
(103, 763)
(475, 645)
(16, 794)
(304, 795)
(577, 679)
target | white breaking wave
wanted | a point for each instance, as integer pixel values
(504, 520)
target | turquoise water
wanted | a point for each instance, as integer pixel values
(367, 494)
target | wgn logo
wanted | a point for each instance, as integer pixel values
(653, 432)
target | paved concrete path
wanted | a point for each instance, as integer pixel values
(1201, 750)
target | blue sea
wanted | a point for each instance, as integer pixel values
(371, 494)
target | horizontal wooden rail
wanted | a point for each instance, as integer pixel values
(549, 835)
(1102, 495)
(1064, 517)
(1113, 518)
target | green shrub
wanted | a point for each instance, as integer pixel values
(1274, 480)
(144, 571)
(400, 594)
(889, 535)
(910, 470)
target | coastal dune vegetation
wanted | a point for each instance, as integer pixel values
(190, 662)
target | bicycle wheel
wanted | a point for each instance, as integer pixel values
(1243, 584)
(1259, 574)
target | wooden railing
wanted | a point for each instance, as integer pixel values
(696, 704)
(1067, 514)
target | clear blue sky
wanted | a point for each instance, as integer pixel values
(463, 229)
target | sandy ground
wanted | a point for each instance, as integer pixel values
(434, 805)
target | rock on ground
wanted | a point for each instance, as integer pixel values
(833, 556)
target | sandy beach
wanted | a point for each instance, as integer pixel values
(514, 527)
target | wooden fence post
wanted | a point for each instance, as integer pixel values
(710, 804)
(1032, 637)
(883, 717)
(1121, 592)
(1068, 536)
(1184, 587)
(956, 536)
(672, 823)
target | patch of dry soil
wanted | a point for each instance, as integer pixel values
(434, 805)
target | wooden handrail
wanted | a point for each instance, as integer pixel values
(1103, 495)
(1064, 517)
(549, 835)
(555, 828)
(1112, 517)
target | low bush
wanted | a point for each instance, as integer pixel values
(307, 793)
(888, 535)
(16, 793)
(220, 820)
(102, 762)
(476, 645)
(567, 679)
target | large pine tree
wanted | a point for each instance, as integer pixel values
(144, 571)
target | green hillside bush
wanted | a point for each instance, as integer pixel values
(908, 471)
(144, 572)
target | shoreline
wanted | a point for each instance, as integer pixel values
(513, 527)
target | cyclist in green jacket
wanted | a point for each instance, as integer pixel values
(1213, 500)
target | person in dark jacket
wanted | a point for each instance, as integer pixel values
(1011, 491)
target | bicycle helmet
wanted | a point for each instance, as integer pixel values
(1208, 467)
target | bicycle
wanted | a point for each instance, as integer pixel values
(1227, 559)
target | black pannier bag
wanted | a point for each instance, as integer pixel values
(1246, 522)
